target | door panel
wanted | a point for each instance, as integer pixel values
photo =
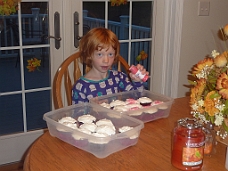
(25, 96)
(25, 67)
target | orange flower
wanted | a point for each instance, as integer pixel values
(202, 64)
(210, 104)
(225, 54)
(118, 2)
(196, 94)
(222, 85)
(33, 64)
(220, 60)
(197, 91)
(225, 29)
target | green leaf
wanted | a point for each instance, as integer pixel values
(224, 69)
(215, 95)
(224, 126)
(192, 82)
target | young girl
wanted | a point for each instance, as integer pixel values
(99, 49)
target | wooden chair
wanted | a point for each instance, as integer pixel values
(63, 76)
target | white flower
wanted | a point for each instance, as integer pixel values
(201, 102)
(214, 53)
(194, 107)
(220, 107)
(218, 119)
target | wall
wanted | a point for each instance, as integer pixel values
(199, 36)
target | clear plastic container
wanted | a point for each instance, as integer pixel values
(101, 147)
(145, 114)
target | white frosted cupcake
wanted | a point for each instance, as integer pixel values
(86, 118)
(145, 101)
(151, 110)
(80, 140)
(117, 103)
(105, 122)
(106, 105)
(121, 108)
(101, 139)
(106, 129)
(130, 139)
(67, 119)
(89, 126)
(62, 132)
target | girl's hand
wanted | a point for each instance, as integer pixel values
(142, 70)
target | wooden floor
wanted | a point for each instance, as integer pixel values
(12, 167)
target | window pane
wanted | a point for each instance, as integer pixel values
(93, 15)
(118, 17)
(34, 23)
(37, 103)
(40, 77)
(141, 20)
(11, 116)
(9, 34)
(9, 71)
(124, 50)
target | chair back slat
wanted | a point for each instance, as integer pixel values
(68, 87)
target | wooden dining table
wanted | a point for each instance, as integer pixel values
(151, 153)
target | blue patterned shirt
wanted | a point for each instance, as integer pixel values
(85, 89)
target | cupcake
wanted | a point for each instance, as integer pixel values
(134, 106)
(62, 132)
(106, 129)
(106, 105)
(130, 139)
(117, 103)
(131, 101)
(86, 118)
(101, 138)
(67, 119)
(105, 122)
(89, 126)
(121, 108)
(80, 140)
(145, 101)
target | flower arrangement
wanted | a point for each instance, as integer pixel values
(118, 2)
(33, 64)
(209, 93)
(8, 7)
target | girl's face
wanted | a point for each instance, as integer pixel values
(103, 59)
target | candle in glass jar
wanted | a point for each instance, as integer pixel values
(188, 145)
